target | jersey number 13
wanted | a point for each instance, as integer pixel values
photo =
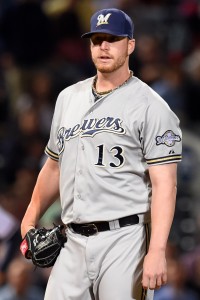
(116, 153)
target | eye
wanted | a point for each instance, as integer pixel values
(113, 39)
(98, 40)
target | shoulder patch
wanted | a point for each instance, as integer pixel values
(169, 138)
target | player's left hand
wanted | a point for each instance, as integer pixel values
(154, 270)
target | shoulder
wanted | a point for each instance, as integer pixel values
(147, 94)
(142, 98)
(75, 92)
(77, 87)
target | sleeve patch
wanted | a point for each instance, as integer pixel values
(169, 138)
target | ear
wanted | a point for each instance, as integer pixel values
(131, 46)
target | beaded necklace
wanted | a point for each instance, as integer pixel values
(98, 95)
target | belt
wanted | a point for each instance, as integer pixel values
(92, 228)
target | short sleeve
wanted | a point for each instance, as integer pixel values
(161, 134)
(52, 146)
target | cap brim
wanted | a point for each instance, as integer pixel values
(89, 34)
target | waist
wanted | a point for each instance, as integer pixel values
(92, 228)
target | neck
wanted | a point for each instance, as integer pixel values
(110, 81)
(107, 91)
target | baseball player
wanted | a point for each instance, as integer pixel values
(112, 157)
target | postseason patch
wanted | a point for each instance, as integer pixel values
(169, 138)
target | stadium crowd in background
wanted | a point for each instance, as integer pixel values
(41, 53)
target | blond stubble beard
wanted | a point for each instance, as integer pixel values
(113, 67)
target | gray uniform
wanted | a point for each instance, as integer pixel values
(104, 149)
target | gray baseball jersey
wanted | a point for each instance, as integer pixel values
(104, 149)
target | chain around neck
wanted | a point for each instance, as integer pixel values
(99, 94)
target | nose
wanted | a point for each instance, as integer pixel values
(104, 45)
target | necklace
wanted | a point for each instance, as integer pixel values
(100, 94)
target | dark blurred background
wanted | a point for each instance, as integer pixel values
(41, 53)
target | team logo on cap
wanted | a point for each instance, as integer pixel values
(169, 138)
(103, 19)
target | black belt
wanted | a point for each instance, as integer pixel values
(92, 228)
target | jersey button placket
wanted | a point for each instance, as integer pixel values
(78, 196)
(79, 192)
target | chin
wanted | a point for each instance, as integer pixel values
(105, 69)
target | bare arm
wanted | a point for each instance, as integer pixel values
(44, 194)
(163, 178)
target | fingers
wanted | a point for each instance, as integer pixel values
(154, 282)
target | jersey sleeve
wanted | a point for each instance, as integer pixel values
(161, 136)
(51, 148)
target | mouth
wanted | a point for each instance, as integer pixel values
(104, 58)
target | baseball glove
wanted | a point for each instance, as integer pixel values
(43, 245)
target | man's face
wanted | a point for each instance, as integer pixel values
(109, 52)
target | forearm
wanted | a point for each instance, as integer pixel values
(162, 204)
(38, 205)
(163, 180)
(162, 213)
(46, 191)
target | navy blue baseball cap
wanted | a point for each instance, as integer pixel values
(112, 21)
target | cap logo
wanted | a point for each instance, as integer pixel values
(103, 19)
